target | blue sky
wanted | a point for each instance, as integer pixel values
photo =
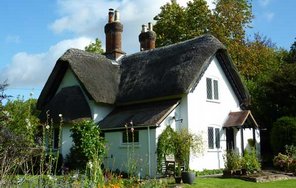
(34, 33)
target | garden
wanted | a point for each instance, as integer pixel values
(30, 155)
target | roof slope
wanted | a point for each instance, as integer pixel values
(166, 71)
(238, 119)
(142, 115)
(96, 74)
(161, 73)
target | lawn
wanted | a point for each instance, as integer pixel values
(237, 183)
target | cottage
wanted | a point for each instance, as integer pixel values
(191, 84)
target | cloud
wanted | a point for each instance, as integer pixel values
(264, 3)
(82, 18)
(89, 18)
(32, 70)
(13, 39)
(269, 16)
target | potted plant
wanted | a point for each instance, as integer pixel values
(180, 144)
(186, 143)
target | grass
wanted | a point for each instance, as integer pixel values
(237, 183)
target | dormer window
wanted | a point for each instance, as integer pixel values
(212, 89)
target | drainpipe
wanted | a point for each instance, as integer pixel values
(149, 151)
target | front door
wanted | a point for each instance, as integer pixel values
(229, 138)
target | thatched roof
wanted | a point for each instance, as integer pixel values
(98, 76)
(172, 70)
(70, 103)
(161, 73)
(142, 115)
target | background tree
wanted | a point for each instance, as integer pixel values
(283, 133)
(170, 26)
(95, 47)
(23, 118)
(291, 56)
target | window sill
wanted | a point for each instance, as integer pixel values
(213, 101)
(214, 150)
(130, 145)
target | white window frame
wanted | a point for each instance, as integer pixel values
(126, 141)
(213, 94)
(215, 142)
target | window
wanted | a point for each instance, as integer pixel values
(129, 137)
(212, 89)
(56, 139)
(213, 138)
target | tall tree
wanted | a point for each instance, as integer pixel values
(227, 22)
(170, 26)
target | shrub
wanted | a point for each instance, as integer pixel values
(233, 160)
(282, 162)
(287, 161)
(250, 161)
(87, 143)
(283, 133)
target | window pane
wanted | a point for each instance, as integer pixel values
(217, 137)
(209, 88)
(55, 138)
(216, 94)
(130, 136)
(210, 137)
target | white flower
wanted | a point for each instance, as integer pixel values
(60, 115)
(28, 123)
(90, 165)
(47, 127)
(6, 113)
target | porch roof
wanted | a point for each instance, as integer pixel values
(142, 115)
(243, 119)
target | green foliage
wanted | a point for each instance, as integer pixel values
(87, 144)
(165, 146)
(291, 56)
(23, 118)
(283, 133)
(250, 161)
(180, 144)
(176, 23)
(291, 151)
(186, 143)
(209, 172)
(232, 160)
(95, 47)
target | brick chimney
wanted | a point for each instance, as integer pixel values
(147, 38)
(113, 30)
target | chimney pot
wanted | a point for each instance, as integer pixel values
(117, 17)
(147, 38)
(150, 26)
(144, 28)
(111, 15)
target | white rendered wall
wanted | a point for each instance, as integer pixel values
(121, 155)
(66, 140)
(203, 113)
(98, 111)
